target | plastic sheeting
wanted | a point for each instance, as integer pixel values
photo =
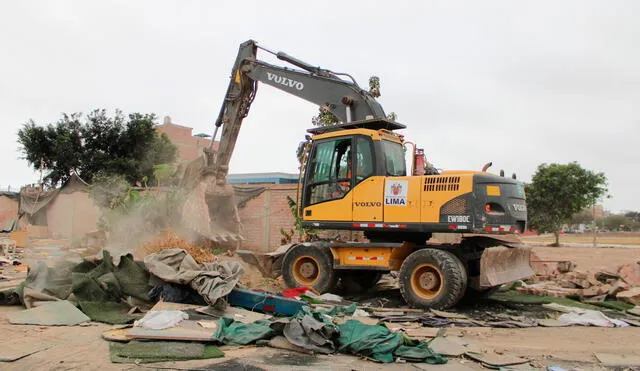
(211, 280)
(161, 319)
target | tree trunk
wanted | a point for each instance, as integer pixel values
(557, 243)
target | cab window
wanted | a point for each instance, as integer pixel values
(394, 158)
(329, 176)
(364, 159)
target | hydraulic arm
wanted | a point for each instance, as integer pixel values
(342, 97)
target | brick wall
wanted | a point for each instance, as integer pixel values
(264, 216)
(8, 209)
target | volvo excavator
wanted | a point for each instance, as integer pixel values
(354, 177)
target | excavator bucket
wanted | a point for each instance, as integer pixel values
(210, 208)
(503, 264)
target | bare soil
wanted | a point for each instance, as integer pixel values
(590, 258)
(81, 347)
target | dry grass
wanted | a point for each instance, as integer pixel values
(202, 252)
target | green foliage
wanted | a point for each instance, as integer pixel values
(303, 233)
(559, 191)
(374, 86)
(583, 217)
(620, 222)
(163, 173)
(633, 215)
(96, 144)
(324, 118)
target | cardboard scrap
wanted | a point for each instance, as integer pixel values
(13, 352)
(280, 342)
(208, 324)
(396, 326)
(446, 347)
(167, 305)
(55, 313)
(422, 332)
(187, 330)
(443, 314)
(496, 360)
(387, 313)
(237, 314)
(618, 360)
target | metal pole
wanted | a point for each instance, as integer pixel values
(593, 224)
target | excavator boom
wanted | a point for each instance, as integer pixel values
(344, 98)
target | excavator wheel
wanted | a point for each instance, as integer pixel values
(359, 281)
(309, 266)
(432, 278)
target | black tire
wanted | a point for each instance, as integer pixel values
(442, 271)
(359, 281)
(309, 266)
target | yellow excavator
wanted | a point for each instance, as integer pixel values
(354, 177)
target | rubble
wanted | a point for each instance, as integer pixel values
(563, 279)
(631, 296)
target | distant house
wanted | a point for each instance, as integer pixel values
(8, 210)
(67, 212)
(189, 146)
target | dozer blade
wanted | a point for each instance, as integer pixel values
(211, 211)
(502, 264)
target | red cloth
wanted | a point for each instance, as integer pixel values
(296, 291)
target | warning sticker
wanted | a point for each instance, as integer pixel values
(395, 192)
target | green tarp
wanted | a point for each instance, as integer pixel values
(237, 333)
(379, 343)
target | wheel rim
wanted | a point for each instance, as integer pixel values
(426, 281)
(306, 270)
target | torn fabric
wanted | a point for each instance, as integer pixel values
(211, 280)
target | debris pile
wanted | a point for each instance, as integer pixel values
(564, 279)
(202, 253)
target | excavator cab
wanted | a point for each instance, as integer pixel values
(382, 198)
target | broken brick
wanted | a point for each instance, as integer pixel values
(631, 296)
(617, 287)
(630, 273)
(590, 292)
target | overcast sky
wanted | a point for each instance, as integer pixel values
(513, 82)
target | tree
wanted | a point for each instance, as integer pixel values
(616, 222)
(633, 215)
(96, 143)
(558, 191)
(584, 216)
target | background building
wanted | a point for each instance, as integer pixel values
(189, 146)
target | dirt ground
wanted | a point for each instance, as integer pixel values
(590, 258)
(602, 238)
(81, 347)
